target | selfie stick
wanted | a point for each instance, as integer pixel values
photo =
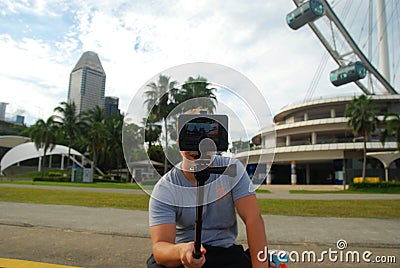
(202, 173)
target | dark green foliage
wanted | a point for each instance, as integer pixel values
(52, 179)
(372, 188)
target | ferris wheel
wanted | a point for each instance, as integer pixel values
(353, 63)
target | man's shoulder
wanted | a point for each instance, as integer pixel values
(171, 176)
(169, 183)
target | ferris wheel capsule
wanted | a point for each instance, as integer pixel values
(305, 13)
(350, 73)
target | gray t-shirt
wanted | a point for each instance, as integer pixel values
(173, 200)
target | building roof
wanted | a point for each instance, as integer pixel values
(10, 141)
(325, 102)
(89, 60)
(27, 151)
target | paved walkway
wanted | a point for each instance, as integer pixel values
(283, 192)
(96, 230)
(281, 229)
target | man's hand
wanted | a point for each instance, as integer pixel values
(187, 259)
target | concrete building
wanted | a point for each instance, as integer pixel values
(87, 83)
(314, 145)
(111, 106)
(3, 106)
(20, 119)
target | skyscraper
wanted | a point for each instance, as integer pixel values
(111, 106)
(87, 83)
(3, 106)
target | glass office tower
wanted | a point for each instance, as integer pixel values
(87, 83)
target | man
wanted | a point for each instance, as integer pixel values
(172, 214)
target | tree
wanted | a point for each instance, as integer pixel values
(392, 123)
(197, 88)
(113, 149)
(160, 102)
(163, 97)
(95, 132)
(362, 114)
(152, 131)
(94, 115)
(133, 142)
(70, 122)
(44, 135)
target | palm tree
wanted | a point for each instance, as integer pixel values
(152, 131)
(44, 135)
(392, 122)
(163, 97)
(197, 88)
(94, 115)
(132, 140)
(95, 132)
(362, 114)
(113, 148)
(160, 102)
(70, 121)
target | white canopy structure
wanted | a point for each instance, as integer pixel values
(28, 150)
(386, 158)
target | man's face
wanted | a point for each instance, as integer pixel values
(190, 155)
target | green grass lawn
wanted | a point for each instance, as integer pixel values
(75, 184)
(334, 208)
(106, 185)
(76, 198)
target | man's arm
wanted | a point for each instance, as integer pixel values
(247, 208)
(169, 254)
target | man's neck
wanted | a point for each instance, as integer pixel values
(186, 170)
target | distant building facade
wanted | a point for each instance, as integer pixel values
(3, 106)
(111, 106)
(314, 145)
(20, 119)
(87, 83)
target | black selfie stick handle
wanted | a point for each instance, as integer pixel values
(201, 177)
(197, 235)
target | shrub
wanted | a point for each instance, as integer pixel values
(380, 185)
(105, 180)
(53, 179)
(54, 174)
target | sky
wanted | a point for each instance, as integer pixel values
(41, 41)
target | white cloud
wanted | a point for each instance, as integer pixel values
(29, 98)
(31, 61)
(137, 39)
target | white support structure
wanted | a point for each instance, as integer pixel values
(377, 75)
(383, 39)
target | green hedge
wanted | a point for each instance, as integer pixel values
(107, 180)
(53, 179)
(54, 174)
(380, 185)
